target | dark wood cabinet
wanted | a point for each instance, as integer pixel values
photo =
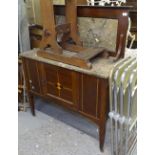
(80, 92)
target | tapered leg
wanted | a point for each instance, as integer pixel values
(104, 112)
(31, 101)
(101, 136)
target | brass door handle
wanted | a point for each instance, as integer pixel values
(58, 85)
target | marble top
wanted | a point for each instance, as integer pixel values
(101, 67)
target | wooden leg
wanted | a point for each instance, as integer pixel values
(104, 112)
(101, 136)
(31, 101)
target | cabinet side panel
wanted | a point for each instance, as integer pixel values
(104, 99)
(32, 71)
(89, 95)
(26, 74)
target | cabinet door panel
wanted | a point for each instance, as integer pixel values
(66, 78)
(51, 90)
(68, 81)
(89, 95)
(51, 73)
(50, 77)
(66, 94)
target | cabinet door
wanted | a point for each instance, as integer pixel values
(50, 76)
(32, 74)
(61, 84)
(69, 85)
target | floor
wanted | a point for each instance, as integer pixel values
(57, 131)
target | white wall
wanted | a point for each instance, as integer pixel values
(23, 27)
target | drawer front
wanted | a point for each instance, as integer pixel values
(32, 74)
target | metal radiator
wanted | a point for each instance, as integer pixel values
(123, 107)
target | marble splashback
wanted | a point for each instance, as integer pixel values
(96, 32)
